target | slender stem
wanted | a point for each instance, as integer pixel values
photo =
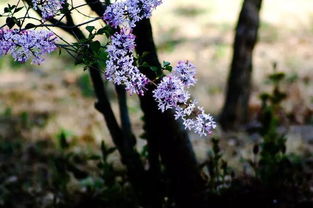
(25, 17)
(124, 115)
(68, 26)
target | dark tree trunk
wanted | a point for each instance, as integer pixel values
(235, 110)
(166, 136)
(122, 137)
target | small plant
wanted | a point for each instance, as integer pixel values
(275, 168)
(217, 169)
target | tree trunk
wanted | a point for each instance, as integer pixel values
(235, 110)
(166, 135)
(122, 137)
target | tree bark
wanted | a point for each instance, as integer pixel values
(166, 135)
(235, 109)
(123, 138)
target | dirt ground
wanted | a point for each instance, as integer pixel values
(57, 92)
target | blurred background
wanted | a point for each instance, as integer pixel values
(55, 99)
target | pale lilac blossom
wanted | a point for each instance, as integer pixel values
(26, 44)
(190, 108)
(120, 66)
(201, 124)
(186, 72)
(194, 118)
(204, 123)
(140, 9)
(171, 93)
(5, 41)
(115, 14)
(179, 113)
(128, 13)
(48, 8)
(188, 123)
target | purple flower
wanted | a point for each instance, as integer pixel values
(5, 42)
(120, 66)
(170, 93)
(26, 44)
(147, 7)
(186, 72)
(115, 14)
(140, 9)
(48, 8)
(203, 124)
(128, 13)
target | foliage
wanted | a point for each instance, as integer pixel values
(44, 174)
(219, 173)
(275, 168)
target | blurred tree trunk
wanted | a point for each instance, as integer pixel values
(235, 110)
(166, 137)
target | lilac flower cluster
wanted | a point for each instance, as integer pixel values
(127, 13)
(171, 94)
(120, 66)
(26, 44)
(48, 8)
(186, 72)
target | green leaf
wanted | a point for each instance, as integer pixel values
(11, 7)
(94, 157)
(18, 9)
(29, 25)
(167, 66)
(63, 142)
(157, 70)
(145, 64)
(90, 28)
(144, 54)
(6, 10)
(111, 150)
(277, 77)
(10, 21)
(62, 138)
(95, 46)
(107, 30)
(165, 63)
(101, 58)
(103, 54)
(101, 31)
(154, 68)
(103, 147)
